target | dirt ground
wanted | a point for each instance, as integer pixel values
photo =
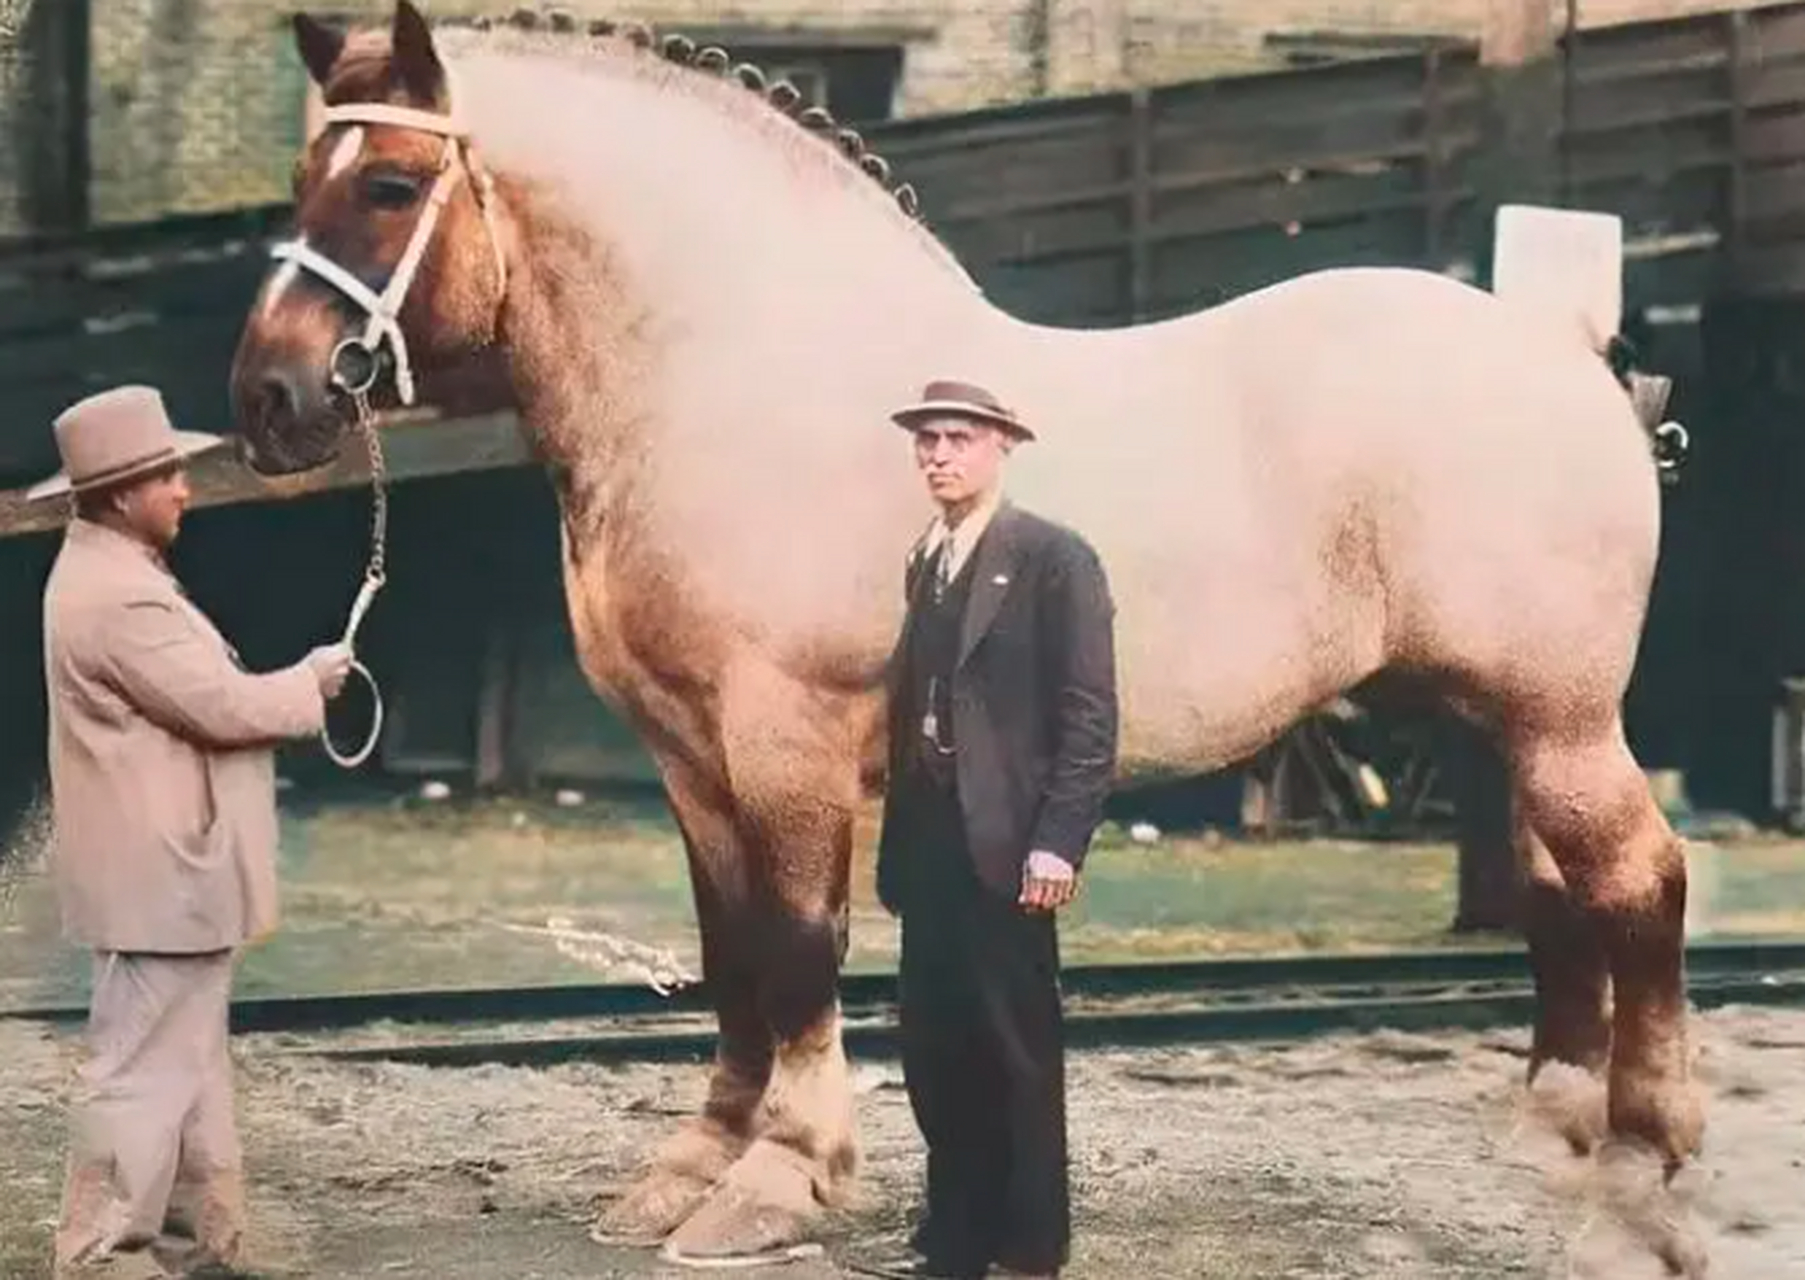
(1348, 1157)
(379, 894)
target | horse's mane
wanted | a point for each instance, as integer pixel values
(676, 62)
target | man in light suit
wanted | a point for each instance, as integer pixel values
(163, 790)
(1003, 728)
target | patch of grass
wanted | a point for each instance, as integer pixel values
(402, 894)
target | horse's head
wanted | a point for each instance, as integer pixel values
(398, 265)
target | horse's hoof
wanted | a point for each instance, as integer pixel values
(1638, 1190)
(1571, 1102)
(761, 1209)
(736, 1227)
(651, 1211)
(1666, 1115)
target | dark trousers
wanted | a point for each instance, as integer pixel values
(983, 1056)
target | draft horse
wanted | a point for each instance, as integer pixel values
(703, 299)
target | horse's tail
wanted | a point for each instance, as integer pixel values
(1567, 264)
(1649, 394)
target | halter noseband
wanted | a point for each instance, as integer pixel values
(384, 309)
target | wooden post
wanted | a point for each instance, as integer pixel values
(1435, 204)
(1737, 40)
(1519, 162)
(49, 118)
(1140, 213)
(1519, 154)
(495, 756)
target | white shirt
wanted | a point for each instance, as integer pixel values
(964, 536)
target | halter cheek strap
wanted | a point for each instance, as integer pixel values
(384, 309)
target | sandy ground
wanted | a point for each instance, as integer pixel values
(1360, 1156)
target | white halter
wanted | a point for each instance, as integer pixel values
(384, 308)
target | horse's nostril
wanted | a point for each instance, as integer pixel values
(276, 400)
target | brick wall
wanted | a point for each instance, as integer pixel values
(196, 103)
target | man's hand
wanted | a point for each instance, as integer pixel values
(1048, 882)
(331, 664)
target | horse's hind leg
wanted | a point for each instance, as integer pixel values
(1572, 975)
(692, 1160)
(1625, 873)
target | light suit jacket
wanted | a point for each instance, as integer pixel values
(162, 766)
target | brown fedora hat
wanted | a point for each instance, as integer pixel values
(946, 398)
(114, 436)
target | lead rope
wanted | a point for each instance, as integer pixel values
(375, 575)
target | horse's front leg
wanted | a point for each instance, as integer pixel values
(689, 1163)
(794, 766)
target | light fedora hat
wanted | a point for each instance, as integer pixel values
(117, 435)
(947, 398)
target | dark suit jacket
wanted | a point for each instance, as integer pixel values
(1034, 703)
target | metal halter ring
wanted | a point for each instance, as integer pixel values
(355, 365)
(355, 758)
(1672, 442)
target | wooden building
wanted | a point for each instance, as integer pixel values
(1094, 209)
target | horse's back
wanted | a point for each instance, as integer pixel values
(1349, 469)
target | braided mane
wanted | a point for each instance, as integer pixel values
(637, 38)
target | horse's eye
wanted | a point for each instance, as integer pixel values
(389, 190)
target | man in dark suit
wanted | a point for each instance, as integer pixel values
(1002, 729)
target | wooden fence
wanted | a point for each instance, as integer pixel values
(1124, 206)
(1137, 205)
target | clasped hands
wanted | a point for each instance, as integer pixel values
(1049, 882)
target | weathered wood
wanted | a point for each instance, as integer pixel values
(1140, 217)
(415, 448)
(1516, 33)
(495, 765)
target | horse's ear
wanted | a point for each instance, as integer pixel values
(416, 62)
(319, 44)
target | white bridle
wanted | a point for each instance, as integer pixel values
(384, 308)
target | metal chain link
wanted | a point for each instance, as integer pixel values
(375, 575)
(376, 570)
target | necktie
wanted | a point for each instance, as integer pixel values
(943, 568)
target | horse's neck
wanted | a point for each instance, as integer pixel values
(725, 229)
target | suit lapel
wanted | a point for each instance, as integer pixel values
(993, 566)
(913, 579)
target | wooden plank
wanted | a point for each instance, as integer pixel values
(917, 138)
(1655, 152)
(974, 184)
(1043, 234)
(1294, 98)
(1771, 84)
(1048, 290)
(1278, 202)
(1603, 54)
(1778, 31)
(1771, 270)
(165, 236)
(1774, 134)
(1675, 279)
(1214, 269)
(1347, 143)
(1773, 191)
(1671, 96)
(34, 305)
(415, 448)
(1173, 180)
(1683, 202)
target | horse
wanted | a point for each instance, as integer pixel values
(703, 299)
